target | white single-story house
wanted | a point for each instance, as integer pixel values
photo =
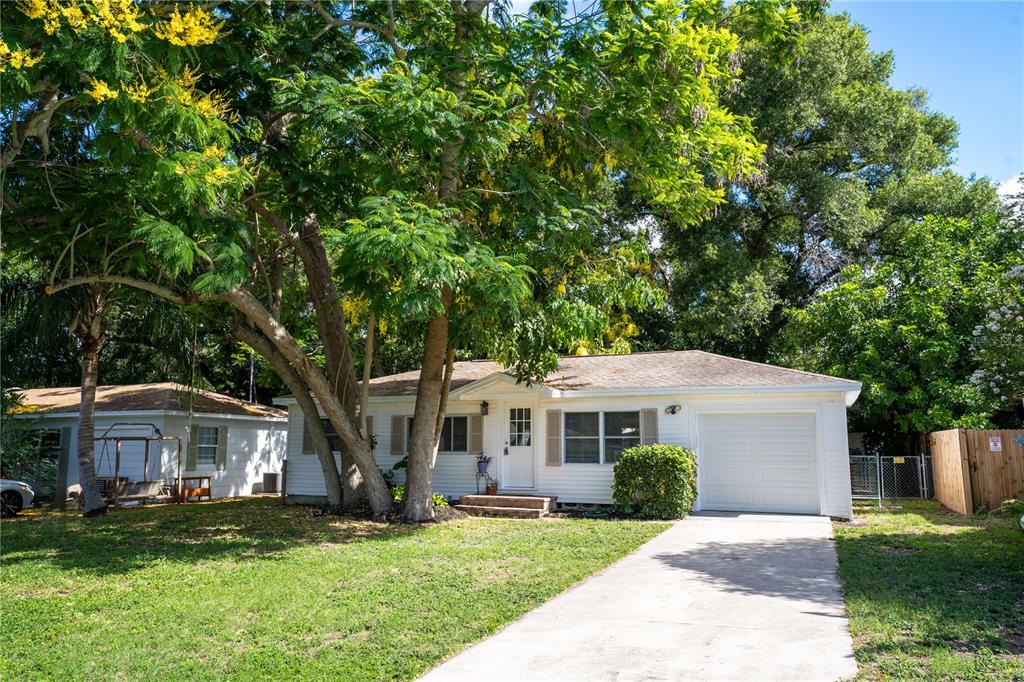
(767, 438)
(232, 441)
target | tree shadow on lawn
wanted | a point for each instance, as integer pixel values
(129, 539)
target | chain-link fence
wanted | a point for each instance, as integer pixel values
(889, 477)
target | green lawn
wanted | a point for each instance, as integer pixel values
(249, 589)
(934, 595)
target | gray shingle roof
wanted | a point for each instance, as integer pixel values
(655, 370)
(159, 396)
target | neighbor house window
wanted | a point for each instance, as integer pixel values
(206, 445)
(596, 437)
(454, 434)
(582, 437)
(621, 431)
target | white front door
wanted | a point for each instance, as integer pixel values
(517, 453)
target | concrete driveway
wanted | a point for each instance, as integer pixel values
(716, 597)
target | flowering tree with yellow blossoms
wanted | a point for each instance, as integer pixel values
(447, 166)
(108, 139)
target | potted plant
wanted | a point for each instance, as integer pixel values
(492, 486)
(482, 461)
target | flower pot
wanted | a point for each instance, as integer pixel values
(492, 491)
(481, 467)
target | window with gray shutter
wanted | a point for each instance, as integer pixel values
(553, 451)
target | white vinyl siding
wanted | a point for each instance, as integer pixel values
(454, 474)
(254, 446)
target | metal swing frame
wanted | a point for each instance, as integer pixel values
(157, 436)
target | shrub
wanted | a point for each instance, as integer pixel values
(658, 481)
(398, 494)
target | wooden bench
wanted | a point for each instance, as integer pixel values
(201, 486)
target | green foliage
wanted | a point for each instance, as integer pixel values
(398, 495)
(658, 481)
(19, 441)
(851, 160)
(905, 327)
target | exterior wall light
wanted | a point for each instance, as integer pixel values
(673, 409)
(483, 408)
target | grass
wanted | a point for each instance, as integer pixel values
(934, 595)
(249, 589)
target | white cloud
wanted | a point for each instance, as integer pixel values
(1011, 187)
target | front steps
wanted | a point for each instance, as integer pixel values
(507, 506)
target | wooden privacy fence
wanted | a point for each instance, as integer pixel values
(977, 470)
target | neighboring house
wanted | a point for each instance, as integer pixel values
(232, 441)
(767, 438)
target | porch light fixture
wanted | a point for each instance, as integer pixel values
(483, 409)
(673, 409)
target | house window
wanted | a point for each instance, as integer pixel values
(621, 431)
(454, 435)
(206, 445)
(582, 437)
(519, 426)
(332, 436)
(599, 437)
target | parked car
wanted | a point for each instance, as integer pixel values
(14, 496)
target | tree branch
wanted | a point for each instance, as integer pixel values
(381, 30)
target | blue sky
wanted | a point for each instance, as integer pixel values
(969, 56)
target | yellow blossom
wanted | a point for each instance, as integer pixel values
(74, 15)
(138, 92)
(213, 152)
(17, 58)
(195, 27)
(119, 17)
(212, 106)
(495, 216)
(101, 92)
(538, 137)
(217, 175)
(42, 9)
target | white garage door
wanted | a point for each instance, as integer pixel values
(758, 462)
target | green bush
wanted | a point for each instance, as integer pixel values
(398, 494)
(657, 481)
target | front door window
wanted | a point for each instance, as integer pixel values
(519, 426)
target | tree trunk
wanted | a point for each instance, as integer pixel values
(419, 505)
(353, 443)
(259, 343)
(88, 327)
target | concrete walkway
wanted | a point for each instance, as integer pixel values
(716, 597)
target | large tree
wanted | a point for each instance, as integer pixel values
(906, 327)
(101, 112)
(850, 162)
(447, 167)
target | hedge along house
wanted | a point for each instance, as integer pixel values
(231, 441)
(767, 439)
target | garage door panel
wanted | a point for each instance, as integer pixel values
(788, 475)
(738, 471)
(758, 462)
(732, 497)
